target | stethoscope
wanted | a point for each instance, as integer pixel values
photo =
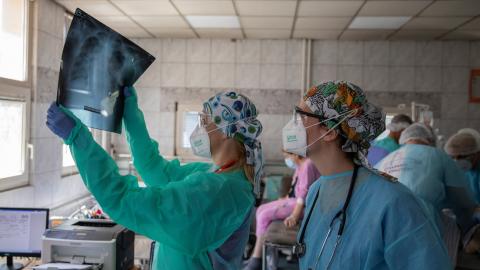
(299, 248)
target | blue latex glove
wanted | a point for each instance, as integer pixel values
(128, 91)
(59, 122)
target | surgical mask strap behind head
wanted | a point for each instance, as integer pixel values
(347, 115)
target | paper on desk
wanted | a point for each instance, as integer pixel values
(62, 266)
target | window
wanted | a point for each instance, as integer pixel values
(390, 112)
(190, 120)
(187, 120)
(388, 119)
(12, 36)
(13, 143)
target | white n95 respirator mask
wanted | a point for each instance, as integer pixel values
(294, 134)
(294, 137)
(200, 142)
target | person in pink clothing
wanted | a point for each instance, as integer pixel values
(289, 208)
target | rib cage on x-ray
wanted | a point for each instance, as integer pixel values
(97, 63)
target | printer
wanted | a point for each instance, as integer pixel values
(100, 243)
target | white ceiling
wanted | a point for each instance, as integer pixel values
(315, 19)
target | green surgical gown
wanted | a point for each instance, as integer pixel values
(189, 210)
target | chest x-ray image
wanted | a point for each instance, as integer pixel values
(97, 63)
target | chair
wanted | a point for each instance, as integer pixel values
(277, 238)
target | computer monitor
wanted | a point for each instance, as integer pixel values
(21, 231)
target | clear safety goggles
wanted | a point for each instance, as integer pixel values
(302, 115)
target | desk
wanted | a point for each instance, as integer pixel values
(29, 263)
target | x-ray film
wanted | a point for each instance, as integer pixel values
(97, 63)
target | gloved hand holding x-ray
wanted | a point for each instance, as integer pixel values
(97, 63)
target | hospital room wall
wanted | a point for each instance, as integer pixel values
(395, 72)
(47, 187)
(269, 72)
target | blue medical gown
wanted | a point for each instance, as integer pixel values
(435, 178)
(385, 228)
(473, 177)
(381, 149)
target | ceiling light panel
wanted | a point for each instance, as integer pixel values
(378, 22)
(266, 8)
(213, 21)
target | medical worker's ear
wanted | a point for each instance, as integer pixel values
(331, 135)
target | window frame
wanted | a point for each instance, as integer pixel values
(16, 90)
(182, 152)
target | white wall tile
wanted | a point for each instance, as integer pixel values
(154, 125)
(402, 53)
(223, 51)
(247, 76)
(68, 188)
(350, 53)
(455, 79)
(173, 74)
(50, 18)
(167, 119)
(248, 51)
(273, 51)
(294, 77)
(375, 78)
(294, 51)
(151, 77)
(376, 53)
(198, 50)
(43, 184)
(38, 120)
(166, 145)
(353, 74)
(475, 54)
(10, 198)
(454, 106)
(324, 52)
(50, 51)
(428, 53)
(222, 75)
(174, 50)
(448, 127)
(455, 53)
(272, 76)
(152, 46)
(428, 79)
(148, 99)
(402, 79)
(47, 155)
(321, 73)
(474, 112)
(198, 75)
